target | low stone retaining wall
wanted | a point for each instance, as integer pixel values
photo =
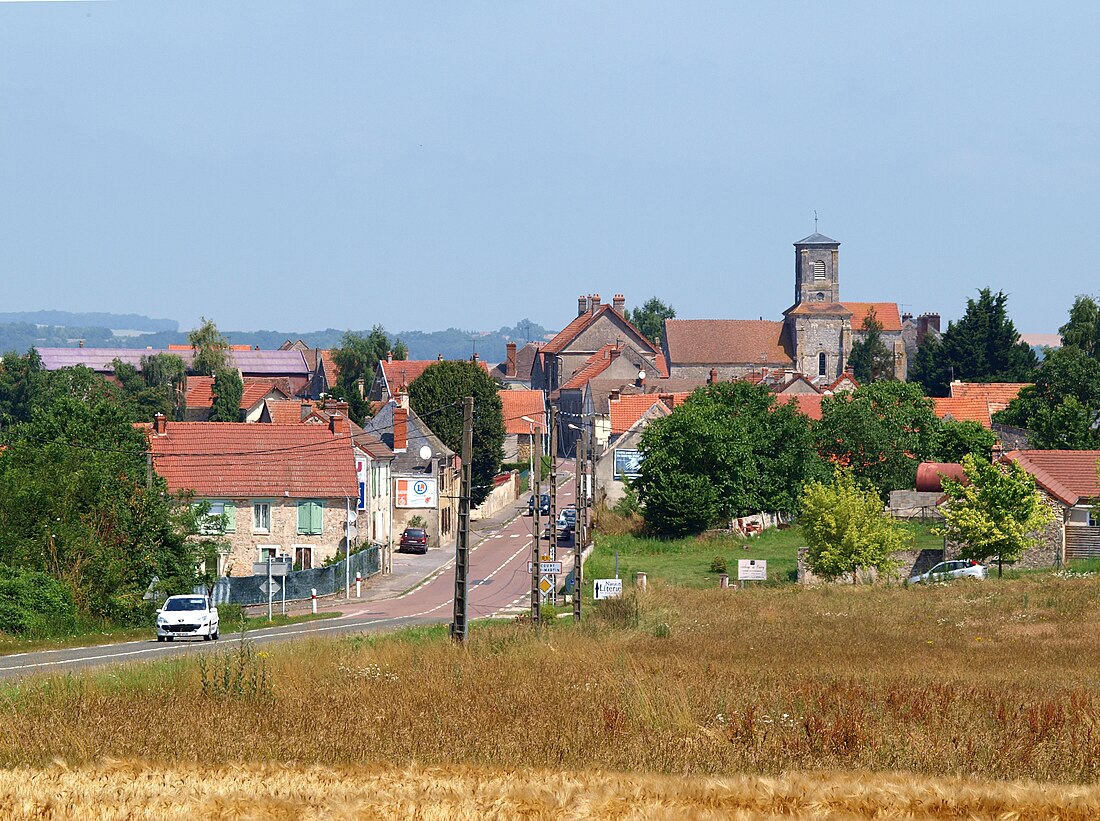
(499, 498)
(909, 563)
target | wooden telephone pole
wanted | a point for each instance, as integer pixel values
(536, 609)
(580, 529)
(552, 548)
(462, 545)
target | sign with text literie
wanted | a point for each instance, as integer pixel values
(415, 493)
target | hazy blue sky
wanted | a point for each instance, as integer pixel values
(302, 165)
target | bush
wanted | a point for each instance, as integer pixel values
(718, 565)
(34, 605)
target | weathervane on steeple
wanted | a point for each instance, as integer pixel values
(815, 220)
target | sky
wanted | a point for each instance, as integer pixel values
(304, 165)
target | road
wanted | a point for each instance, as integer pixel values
(498, 579)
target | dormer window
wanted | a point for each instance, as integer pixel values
(819, 270)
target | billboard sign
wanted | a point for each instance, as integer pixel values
(627, 463)
(415, 493)
(361, 475)
(752, 570)
(607, 589)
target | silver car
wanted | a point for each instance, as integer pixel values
(956, 569)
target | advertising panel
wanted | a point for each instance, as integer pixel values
(415, 492)
(627, 462)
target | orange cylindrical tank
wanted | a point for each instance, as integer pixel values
(929, 473)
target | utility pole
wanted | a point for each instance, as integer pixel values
(552, 550)
(462, 546)
(580, 529)
(536, 610)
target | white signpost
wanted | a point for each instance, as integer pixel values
(752, 570)
(607, 589)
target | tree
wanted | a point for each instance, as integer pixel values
(1083, 328)
(954, 440)
(228, 389)
(883, 431)
(983, 346)
(158, 386)
(731, 450)
(20, 377)
(437, 396)
(211, 349)
(76, 504)
(650, 318)
(847, 528)
(357, 357)
(870, 359)
(997, 513)
(1062, 408)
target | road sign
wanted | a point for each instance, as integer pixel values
(545, 585)
(752, 570)
(279, 567)
(151, 590)
(550, 568)
(607, 589)
(272, 590)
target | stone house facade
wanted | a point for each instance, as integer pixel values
(272, 490)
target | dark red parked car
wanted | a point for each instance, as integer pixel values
(414, 540)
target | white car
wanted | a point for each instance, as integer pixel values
(950, 570)
(187, 616)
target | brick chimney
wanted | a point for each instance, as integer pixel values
(618, 302)
(510, 360)
(339, 425)
(403, 397)
(614, 395)
(613, 354)
(582, 305)
(713, 378)
(160, 424)
(595, 302)
(926, 323)
(400, 429)
(667, 399)
(389, 356)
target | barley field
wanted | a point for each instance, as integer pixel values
(968, 694)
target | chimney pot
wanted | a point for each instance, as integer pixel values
(614, 396)
(595, 300)
(389, 356)
(339, 425)
(160, 424)
(619, 303)
(582, 305)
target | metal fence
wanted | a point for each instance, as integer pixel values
(298, 585)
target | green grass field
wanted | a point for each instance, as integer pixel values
(687, 562)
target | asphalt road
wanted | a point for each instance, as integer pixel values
(499, 584)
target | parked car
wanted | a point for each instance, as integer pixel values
(414, 540)
(567, 524)
(544, 505)
(187, 616)
(950, 570)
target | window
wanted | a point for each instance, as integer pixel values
(310, 518)
(819, 270)
(822, 364)
(303, 557)
(220, 517)
(261, 517)
(267, 551)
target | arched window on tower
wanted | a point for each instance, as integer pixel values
(821, 363)
(819, 270)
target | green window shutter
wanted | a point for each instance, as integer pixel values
(318, 518)
(303, 517)
(230, 517)
(310, 518)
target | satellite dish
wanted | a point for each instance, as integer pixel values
(425, 452)
(641, 374)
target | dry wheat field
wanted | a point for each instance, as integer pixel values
(970, 700)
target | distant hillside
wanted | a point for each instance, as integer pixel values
(121, 322)
(452, 343)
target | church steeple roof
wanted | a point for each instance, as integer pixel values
(817, 239)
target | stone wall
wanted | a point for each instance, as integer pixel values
(913, 504)
(816, 334)
(909, 563)
(1049, 552)
(499, 498)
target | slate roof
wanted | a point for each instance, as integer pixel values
(517, 404)
(417, 435)
(248, 362)
(726, 341)
(885, 312)
(817, 239)
(237, 460)
(1067, 475)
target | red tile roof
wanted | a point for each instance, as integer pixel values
(332, 372)
(1067, 475)
(832, 309)
(725, 341)
(996, 394)
(238, 460)
(286, 412)
(404, 371)
(517, 404)
(574, 328)
(808, 404)
(200, 391)
(845, 381)
(596, 364)
(963, 410)
(628, 409)
(885, 312)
